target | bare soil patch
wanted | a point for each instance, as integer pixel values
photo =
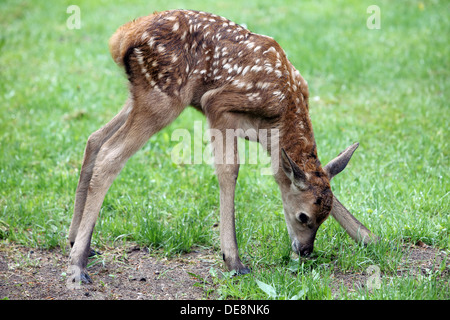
(130, 273)
(134, 273)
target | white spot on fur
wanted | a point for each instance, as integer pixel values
(139, 57)
(151, 42)
(171, 18)
(278, 64)
(161, 48)
(271, 49)
(256, 68)
(245, 70)
(253, 96)
(144, 36)
(262, 85)
(268, 68)
(239, 84)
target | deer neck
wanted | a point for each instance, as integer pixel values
(297, 139)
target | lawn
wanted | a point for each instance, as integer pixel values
(386, 88)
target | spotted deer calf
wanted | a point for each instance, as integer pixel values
(238, 80)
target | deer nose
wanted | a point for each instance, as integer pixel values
(306, 250)
(296, 246)
(303, 250)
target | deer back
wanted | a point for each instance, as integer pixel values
(167, 51)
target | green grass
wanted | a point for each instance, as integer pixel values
(388, 89)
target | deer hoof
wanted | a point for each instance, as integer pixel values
(76, 280)
(235, 264)
(76, 277)
(84, 278)
(93, 252)
(243, 271)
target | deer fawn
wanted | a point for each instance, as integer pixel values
(238, 80)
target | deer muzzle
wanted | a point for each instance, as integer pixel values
(303, 250)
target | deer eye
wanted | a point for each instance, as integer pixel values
(303, 217)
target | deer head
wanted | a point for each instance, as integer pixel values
(307, 198)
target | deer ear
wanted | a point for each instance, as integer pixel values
(293, 171)
(340, 162)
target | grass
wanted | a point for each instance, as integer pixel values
(386, 88)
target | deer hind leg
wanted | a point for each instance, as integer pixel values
(94, 143)
(147, 117)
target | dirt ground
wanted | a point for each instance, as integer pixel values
(131, 273)
(134, 273)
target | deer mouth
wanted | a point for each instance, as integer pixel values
(303, 250)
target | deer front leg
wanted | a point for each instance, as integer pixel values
(227, 175)
(226, 160)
